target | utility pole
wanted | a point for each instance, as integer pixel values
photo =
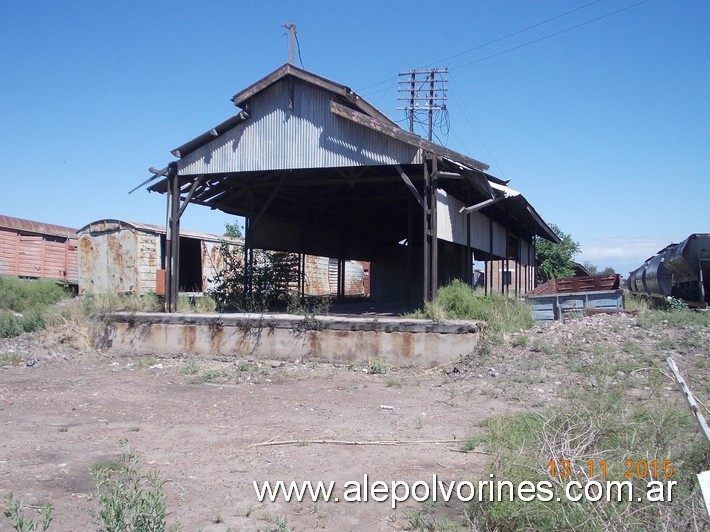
(425, 94)
(291, 42)
(425, 91)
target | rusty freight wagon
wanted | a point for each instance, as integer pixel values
(36, 250)
(129, 257)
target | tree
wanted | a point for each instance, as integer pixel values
(593, 270)
(555, 260)
(234, 230)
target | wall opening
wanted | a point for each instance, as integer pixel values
(190, 265)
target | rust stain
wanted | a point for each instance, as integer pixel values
(216, 339)
(189, 337)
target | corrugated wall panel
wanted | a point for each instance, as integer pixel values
(354, 278)
(309, 136)
(107, 263)
(212, 263)
(55, 260)
(148, 261)
(451, 226)
(31, 254)
(8, 252)
(316, 274)
(72, 261)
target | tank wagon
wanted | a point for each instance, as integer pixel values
(678, 270)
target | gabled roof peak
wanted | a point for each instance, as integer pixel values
(241, 98)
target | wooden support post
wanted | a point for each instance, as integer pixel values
(490, 246)
(172, 240)
(534, 276)
(434, 234)
(469, 256)
(517, 269)
(302, 275)
(690, 399)
(505, 286)
(426, 231)
(409, 255)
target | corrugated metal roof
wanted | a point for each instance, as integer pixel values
(40, 228)
(110, 225)
(292, 127)
(241, 99)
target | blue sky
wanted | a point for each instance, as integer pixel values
(604, 127)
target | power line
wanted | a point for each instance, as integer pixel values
(517, 32)
(389, 80)
(550, 35)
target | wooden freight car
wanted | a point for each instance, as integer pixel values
(36, 250)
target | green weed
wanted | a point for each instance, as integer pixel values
(128, 498)
(15, 513)
(10, 359)
(377, 366)
(501, 313)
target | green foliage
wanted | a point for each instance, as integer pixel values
(21, 295)
(271, 281)
(593, 426)
(10, 359)
(281, 524)
(377, 366)
(15, 513)
(128, 498)
(501, 313)
(673, 303)
(592, 269)
(682, 319)
(95, 304)
(9, 324)
(555, 261)
(233, 230)
(24, 305)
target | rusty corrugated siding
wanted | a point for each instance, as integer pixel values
(108, 225)
(277, 137)
(29, 226)
(37, 250)
(107, 263)
(322, 277)
(9, 252)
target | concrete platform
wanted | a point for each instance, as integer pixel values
(401, 342)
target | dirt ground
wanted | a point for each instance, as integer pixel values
(197, 423)
(69, 411)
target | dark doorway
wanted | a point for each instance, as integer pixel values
(190, 265)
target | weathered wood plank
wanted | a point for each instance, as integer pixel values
(403, 136)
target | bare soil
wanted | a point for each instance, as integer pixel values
(62, 415)
(197, 422)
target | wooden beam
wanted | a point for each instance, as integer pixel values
(403, 136)
(194, 186)
(410, 186)
(690, 399)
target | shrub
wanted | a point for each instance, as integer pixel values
(128, 498)
(501, 313)
(21, 295)
(15, 513)
(591, 427)
(24, 304)
(272, 278)
(9, 324)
